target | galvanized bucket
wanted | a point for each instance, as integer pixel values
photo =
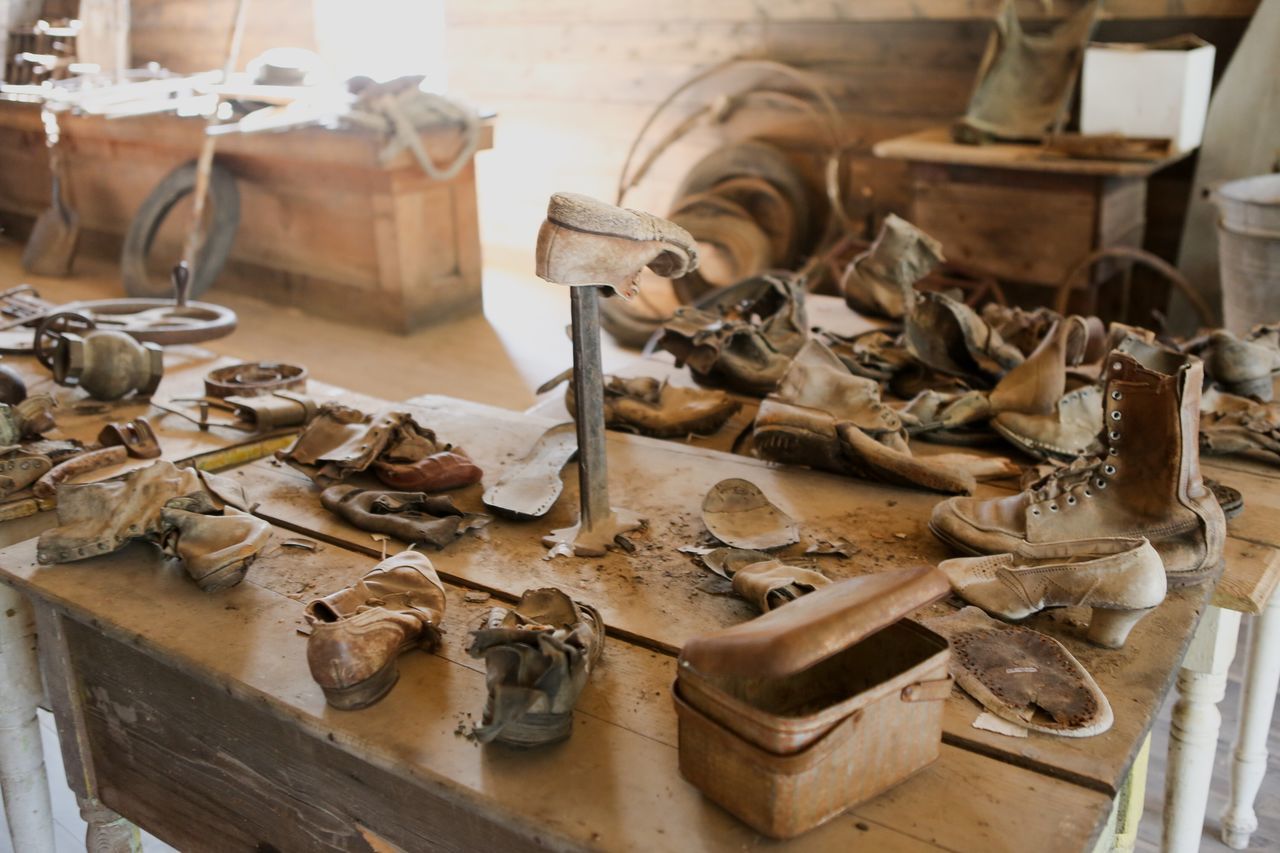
(1249, 251)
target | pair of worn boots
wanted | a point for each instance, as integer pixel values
(1077, 536)
(198, 517)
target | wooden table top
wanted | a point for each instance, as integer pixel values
(935, 145)
(615, 782)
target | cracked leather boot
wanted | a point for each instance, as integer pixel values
(1121, 579)
(947, 336)
(358, 633)
(215, 550)
(1146, 484)
(588, 242)
(878, 281)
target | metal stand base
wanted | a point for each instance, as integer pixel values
(594, 542)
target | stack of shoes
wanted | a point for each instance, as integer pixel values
(197, 517)
(1146, 483)
(825, 417)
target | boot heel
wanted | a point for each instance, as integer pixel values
(1110, 628)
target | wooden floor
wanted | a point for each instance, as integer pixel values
(499, 359)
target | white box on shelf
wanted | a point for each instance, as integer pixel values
(1159, 89)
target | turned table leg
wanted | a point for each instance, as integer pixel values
(1262, 675)
(23, 782)
(1193, 733)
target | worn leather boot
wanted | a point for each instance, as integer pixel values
(878, 281)
(1231, 424)
(1121, 579)
(588, 242)
(1072, 430)
(1146, 484)
(215, 550)
(358, 633)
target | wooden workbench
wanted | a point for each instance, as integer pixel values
(195, 716)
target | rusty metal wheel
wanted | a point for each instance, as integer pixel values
(51, 330)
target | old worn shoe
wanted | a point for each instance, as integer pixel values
(1246, 367)
(588, 242)
(215, 550)
(653, 407)
(1146, 484)
(1121, 579)
(538, 657)
(1071, 430)
(878, 281)
(358, 632)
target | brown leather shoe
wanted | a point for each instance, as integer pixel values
(358, 632)
(588, 242)
(215, 550)
(1121, 579)
(1146, 484)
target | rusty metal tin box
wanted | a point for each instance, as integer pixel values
(790, 719)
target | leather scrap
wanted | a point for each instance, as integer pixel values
(408, 516)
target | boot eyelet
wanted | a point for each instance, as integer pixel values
(1100, 483)
(1071, 500)
(1115, 416)
(1116, 395)
(1113, 452)
(1115, 365)
(1035, 512)
(1109, 470)
(1053, 507)
(1114, 435)
(1088, 494)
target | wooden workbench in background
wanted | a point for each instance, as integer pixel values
(324, 225)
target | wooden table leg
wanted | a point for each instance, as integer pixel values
(1262, 675)
(23, 781)
(1193, 732)
(107, 831)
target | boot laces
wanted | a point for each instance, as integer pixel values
(1085, 476)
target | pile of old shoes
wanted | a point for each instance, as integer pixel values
(1120, 579)
(653, 407)
(824, 417)
(1146, 483)
(341, 441)
(358, 632)
(881, 281)
(538, 658)
(198, 517)
(743, 338)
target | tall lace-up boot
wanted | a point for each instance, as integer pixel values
(1146, 482)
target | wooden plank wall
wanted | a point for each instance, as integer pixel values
(572, 80)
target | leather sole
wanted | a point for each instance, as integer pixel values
(365, 693)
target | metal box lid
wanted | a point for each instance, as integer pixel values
(801, 633)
